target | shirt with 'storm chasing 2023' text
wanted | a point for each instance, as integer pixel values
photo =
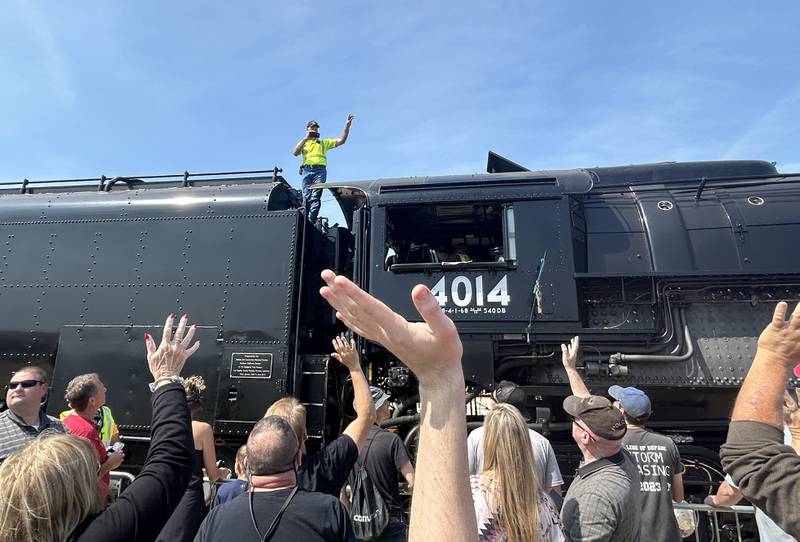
(658, 460)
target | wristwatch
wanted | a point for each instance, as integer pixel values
(174, 378)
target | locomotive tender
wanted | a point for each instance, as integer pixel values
(667, 271)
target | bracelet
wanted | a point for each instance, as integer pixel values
(174, 378)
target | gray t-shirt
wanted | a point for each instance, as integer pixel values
(603, 502)
(658, 460)
(544, 457)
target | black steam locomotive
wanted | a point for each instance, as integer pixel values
(667, 272)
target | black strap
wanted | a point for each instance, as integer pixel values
(371, 439)
(274, 524)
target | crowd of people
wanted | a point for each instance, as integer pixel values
(502, 482)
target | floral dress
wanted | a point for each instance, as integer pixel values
(488, 528)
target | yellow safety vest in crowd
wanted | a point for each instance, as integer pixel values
(315, 151)
(108, 428)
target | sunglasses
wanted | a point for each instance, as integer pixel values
(23, 383)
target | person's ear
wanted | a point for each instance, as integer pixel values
(46, 395)
(298, 458)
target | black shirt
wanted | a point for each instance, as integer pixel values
(310, 517)
(387, 454)
(327, 470)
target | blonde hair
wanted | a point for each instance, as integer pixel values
(194, 387)
(294, 412)
(508, 463)
(49, 487)
(241, 459)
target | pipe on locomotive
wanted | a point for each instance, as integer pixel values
(414, 418)
(619, 358)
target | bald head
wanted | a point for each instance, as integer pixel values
(272, 447)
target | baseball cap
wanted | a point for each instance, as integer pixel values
(378, 396)
(599, 415)
(635, 402)
(508, 392)
(311, 123)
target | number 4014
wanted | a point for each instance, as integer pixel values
(462, 292)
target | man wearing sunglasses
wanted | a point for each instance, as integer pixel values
(25, 420)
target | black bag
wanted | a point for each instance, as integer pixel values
(368, 511)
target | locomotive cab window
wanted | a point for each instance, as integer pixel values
(456, 234)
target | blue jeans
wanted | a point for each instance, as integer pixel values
(313, 175)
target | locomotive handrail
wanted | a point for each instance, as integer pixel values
(26, 185)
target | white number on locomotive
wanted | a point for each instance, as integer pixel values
(463, 293)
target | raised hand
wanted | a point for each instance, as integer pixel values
(569, 353)
(346, 353)
(167, 359)
(781, 338)
(349, 120)
(431, 349)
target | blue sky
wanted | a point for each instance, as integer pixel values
(94, 88)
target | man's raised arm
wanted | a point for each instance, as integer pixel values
(346, 132)
(347, 355)
(569, 359)
(441, 508)
(766, 471)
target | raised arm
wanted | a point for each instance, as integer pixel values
(762, 393)
(146, 505)
(345, 132)
(767, 471)
(569, 358)
(346, 354)
(442, 505)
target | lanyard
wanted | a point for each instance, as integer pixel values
(274, 523)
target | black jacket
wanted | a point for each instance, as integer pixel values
(146, 505)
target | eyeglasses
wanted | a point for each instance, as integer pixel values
(24, 384)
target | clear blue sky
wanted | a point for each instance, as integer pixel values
(115, 88)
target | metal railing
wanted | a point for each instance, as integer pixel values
(119, 481)
(702, 522)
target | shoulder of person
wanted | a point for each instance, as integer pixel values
(475, 435)
(76, 425)
(316, 499)
(56, 424)
(342, 443)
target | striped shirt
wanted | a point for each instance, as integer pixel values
(603, 502)
(15, 433)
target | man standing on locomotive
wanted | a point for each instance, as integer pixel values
(315, 160)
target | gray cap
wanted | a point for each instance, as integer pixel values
(378, 397)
